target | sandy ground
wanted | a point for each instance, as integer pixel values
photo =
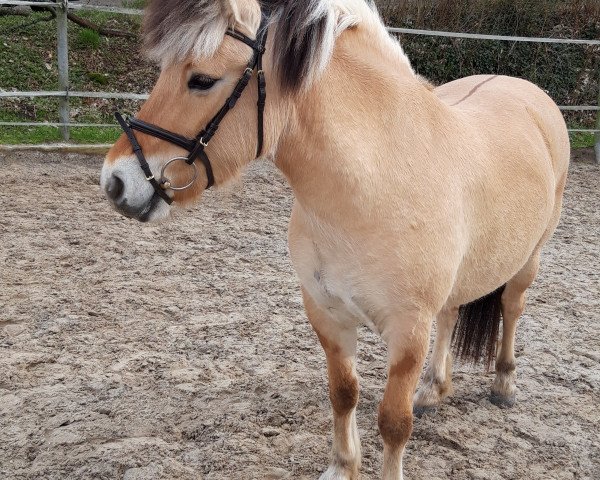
(181, 350)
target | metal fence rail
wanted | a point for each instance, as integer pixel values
(71, 93)
(498, 38)
(62, 6)
(74, 6)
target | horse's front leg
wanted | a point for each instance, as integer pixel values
(407, 341)
(339, 343)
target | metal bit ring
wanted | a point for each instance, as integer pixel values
(165, 183)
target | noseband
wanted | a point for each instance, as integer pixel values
(196, 147)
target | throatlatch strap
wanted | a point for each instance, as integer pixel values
(262, 97)
(262, 91)
(213, 125)
(198, 152)
(258, 45)
(141, 159)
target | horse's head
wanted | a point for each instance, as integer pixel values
(210, 53)
(208, 50)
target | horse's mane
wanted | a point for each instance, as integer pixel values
(175, 28)
(304, 32)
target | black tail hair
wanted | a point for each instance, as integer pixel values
(476, 331)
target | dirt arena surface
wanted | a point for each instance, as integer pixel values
(181, 350)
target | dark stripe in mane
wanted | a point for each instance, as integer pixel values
(299, 37)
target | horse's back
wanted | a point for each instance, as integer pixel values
(504, 110)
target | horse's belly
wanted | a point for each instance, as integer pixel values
(504, 239)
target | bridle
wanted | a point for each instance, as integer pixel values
(196, 147)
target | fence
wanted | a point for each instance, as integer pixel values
(61, 7)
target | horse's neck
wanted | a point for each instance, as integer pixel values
(344, 133)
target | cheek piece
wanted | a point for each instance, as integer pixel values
(196, 147)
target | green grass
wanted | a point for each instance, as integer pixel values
(26, 135)
(22, 62)
(47, 134)
(99, 78)
(28, 62)
(582, 140)
(87, 38)
(37, 135)
(95, 135)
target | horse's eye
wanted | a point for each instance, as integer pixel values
(201, 82)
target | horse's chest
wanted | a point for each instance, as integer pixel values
(335, 289)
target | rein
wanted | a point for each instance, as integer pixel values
(196, 147)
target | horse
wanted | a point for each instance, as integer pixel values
(412, 203)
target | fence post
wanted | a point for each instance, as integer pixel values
(63, 65)
(598, 132)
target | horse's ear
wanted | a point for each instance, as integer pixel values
(244, 13)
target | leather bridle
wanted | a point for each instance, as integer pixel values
(196, 147)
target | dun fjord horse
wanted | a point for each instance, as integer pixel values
(412, 203)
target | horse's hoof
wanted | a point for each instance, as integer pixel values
(502, 401)
(429, 410)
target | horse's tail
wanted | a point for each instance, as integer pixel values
(476, 331)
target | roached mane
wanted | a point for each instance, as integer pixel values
(303, 32)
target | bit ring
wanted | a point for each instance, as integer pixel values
(165, 183)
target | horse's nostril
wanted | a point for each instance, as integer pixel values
(114, 187)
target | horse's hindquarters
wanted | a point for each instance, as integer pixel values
(511, 179)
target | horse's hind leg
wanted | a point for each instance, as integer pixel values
(513, 302)
(437, 380)
(339, 343)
